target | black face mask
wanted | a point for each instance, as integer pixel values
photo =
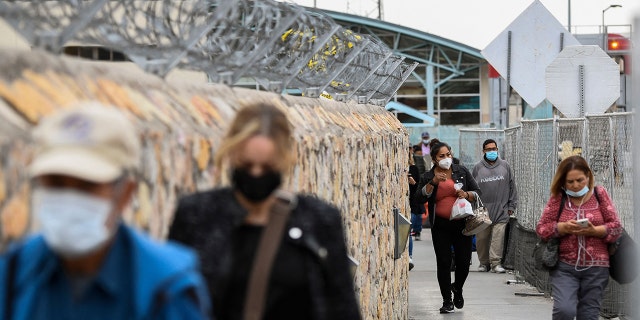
(255, 189)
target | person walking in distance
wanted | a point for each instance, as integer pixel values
(425, 145)
(417, 209)
(418, 159)
(437, 187)
(496, 180)
(416, 218)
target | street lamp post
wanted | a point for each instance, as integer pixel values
(604, 33)
(569, 14)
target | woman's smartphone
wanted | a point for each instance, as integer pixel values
(583, 222)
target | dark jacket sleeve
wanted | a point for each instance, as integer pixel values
(513, 191)
(340, 294)
(415, 174)
(418, 195)
(471, 184)
(180, 228)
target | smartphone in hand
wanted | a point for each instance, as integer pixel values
(584, 223)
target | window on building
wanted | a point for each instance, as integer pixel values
(458, 99)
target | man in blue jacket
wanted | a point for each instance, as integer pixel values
(86, 264)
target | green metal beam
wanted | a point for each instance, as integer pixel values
(363, 21)
(453, 69)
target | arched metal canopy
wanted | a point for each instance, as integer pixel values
(433, 53)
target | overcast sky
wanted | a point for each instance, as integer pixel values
(475, 22)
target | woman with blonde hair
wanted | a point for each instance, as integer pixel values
(582, 216)
(265, 253)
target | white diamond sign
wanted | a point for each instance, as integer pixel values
(536, 39)
(583, 79)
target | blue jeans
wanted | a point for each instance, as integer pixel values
(410, 246)
(416, 223)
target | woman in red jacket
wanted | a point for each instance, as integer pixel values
(587, 223)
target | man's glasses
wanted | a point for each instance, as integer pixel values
(491, 149)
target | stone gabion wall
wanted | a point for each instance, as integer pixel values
(354, 156)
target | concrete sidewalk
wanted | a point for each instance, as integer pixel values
(487, 295)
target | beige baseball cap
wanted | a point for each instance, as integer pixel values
(89, 141)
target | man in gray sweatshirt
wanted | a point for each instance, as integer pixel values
(499, 195)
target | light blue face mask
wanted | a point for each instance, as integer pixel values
(577, 194)
(492, 155)
(73, 223)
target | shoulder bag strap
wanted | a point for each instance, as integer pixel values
(595, 193)
(563, 200)
(261, 269)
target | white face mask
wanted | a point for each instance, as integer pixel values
(445, 163)
(73, 223)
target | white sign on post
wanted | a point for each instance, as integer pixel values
(537, 37)
(583, 79)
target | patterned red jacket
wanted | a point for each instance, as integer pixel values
(598, 213)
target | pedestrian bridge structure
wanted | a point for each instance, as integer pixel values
(448, 80)
(347, 149)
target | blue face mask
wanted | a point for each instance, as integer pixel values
(577, 194)
(492, 155)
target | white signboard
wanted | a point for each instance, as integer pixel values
(536, 39)
(593, 92)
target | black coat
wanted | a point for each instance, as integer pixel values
(416, 207)
(206, 221)
(459, 174)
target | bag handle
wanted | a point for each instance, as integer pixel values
(267, 248)
(478, 201)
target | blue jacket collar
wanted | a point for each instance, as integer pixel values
(153, 266)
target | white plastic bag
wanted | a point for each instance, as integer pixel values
(461, 209)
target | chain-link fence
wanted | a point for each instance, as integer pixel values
(471, 144)
(534, 149)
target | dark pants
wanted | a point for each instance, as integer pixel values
(577, 293)
(446, 233)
